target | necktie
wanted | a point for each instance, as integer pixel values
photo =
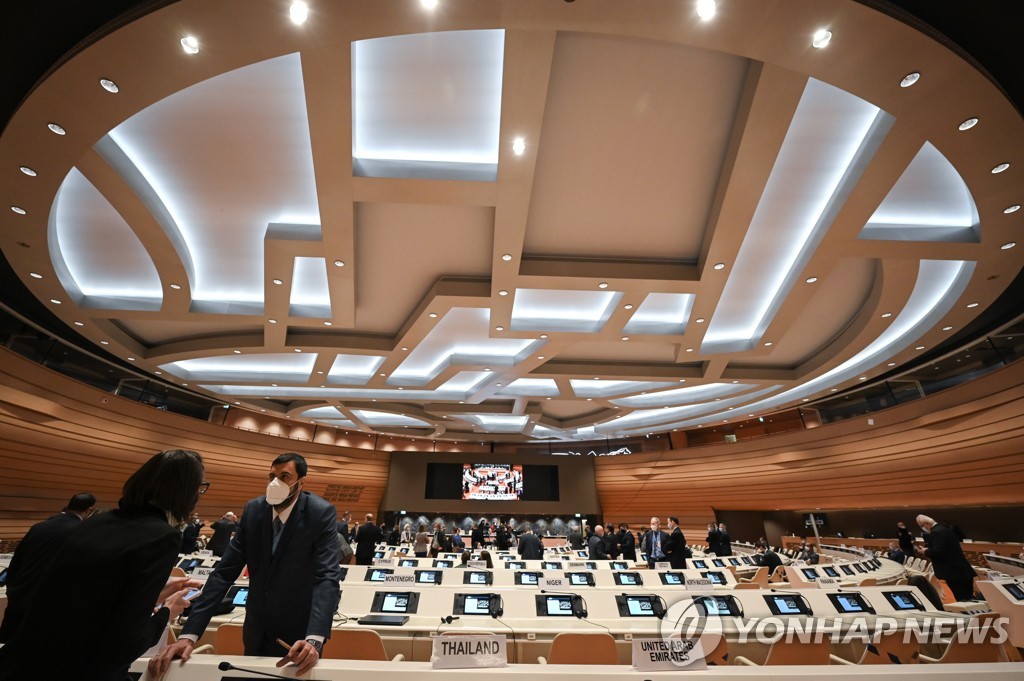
(657, 546)
(278, 526)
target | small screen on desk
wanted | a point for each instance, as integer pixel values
(516, 565)
(902, 600)
(831, 571)
(443, 563)
(558, 606)
(527, 578)
(715, 577)
(378, 554)
(408, 562)
(428, 576)
(699, 564)
(477, 577)
(3, 577)
(849, 603)
(747, 560)
(785, 605)
(1015, 590)
(582, 554)
(860, 568)
(627, 578)
(477, 604)
(378, 574)
(579, 578)
(640, 606)
(395, 602)
(717, 605)
(810, 573)
(551, 565)
(718, 562)
(847, 569)
(620, 565)
(734, 561)
(190, 564)
(240, 597)
(672, 578)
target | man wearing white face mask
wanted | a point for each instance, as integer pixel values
(289, 540)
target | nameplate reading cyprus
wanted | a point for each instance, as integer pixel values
(468, 652)
(655, 654)
(383, 562)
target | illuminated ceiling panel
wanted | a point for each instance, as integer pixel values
(681, 395)
(832, 135)
(86, 228)
(492, 423)
(309, 287)
(245, 367)
(381, 418)
(607, 388)
(666, 418)
(930, 202)
(548, 310)
(530, 387)
(228, 156)
(460, 337)
(661, 313)
(428, 105)
(464, 381)
(353, 369)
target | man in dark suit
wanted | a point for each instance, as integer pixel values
(345, 528)
(34, 552)
(477, 537)
(574, 538)
(222, 531)
(627, 542)
(289, 541)
(529, 545)
(724, 541)
(654, 544)
(905, 539)
(712, 539)
(190, 534)
(367, 537)
(767, 558)
(675, 547)
(597, 549)
(948, 559)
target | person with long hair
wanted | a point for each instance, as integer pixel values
(94, 610)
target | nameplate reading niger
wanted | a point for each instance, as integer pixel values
(468, 652)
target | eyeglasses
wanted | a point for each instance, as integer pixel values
(203, 486)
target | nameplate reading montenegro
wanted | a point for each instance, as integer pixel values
(467, 652)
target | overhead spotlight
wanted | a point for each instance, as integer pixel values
(190, 45)
(518, 146)
(56, 129)
(822, 37)
(1000, 168)
(968, 124)
(719, 265)
(109, 85)
(910, 79)
(1011, 209)
(706, 9)
(298, 12)
(28, 171)
(429, 4)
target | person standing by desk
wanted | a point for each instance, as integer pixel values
(654, 543)
(289, 541)
(367, 537)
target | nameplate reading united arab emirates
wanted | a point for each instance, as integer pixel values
(468, 652)
(699, 584)
(655, 654)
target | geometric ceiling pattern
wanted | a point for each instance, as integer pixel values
(524, 219)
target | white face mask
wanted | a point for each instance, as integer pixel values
(277, 492)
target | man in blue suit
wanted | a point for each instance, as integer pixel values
(289, 540)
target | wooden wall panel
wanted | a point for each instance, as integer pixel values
(58, 437)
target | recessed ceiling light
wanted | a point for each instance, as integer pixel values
(499, 328)
(892, 364)
(625, 338)
(237, 352)
(28, 171)
(910, 79)
(540, 356)
(628, 306)
(506, 257)
(298, 349)
(518, 146)
(768, 344)
(19, 210)
(1000, 168)
(886, 315)
(719, 265)
(811, 280)
(433, 315)
(54, 301)
(190, 45)
(176, 287)
(108, 343)
(109, 85)
(328, 323)
(947, 328)
(429, 4)
(132, 359)
(278, 281)
(499, 384)
(35, 275)
(56, 129)
(405, 348)
(689, 349)
(544, 398)
(863, 378)
(834, 390)
(706, 9)
(806, 399)
(821, 38)
(919, 347)
(972, 305)
(603, 284)
(79, 323)
(272, 321)
(382, 374)
(1008, 245)
(543, 335)
(700, 320)
(597, 378)
(682, 380)
(968, 124)
(503, 293)
(298, 12)
(339, 263)
(590, 399)
(1011, 209)
(401, 388)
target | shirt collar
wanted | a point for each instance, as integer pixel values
(286, 513)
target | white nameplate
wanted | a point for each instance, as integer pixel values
(206, 553)
(694, 584)
(383, 562)
(468, 652)
(477, 564)
(663, 565)
(201, 573)
(403, 579)
(828, 583)
(577, 564)
(6, 557)
(655, 654)
(553, 583)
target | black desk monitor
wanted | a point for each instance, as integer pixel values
(831, 571)
(734, 561)
(377, 574)
(428, 576)
(718, 562)
(344, 573)
(1015, 590)
(481, 577)
(443, 563)
(788, 604)
(396, 602)
(672, 578)
(580, 578)
(903, 600)
(645, 605)
(555, 605)
(810, 573)
(515, 565)
(847, 569)
(551, 565)
(719, 606)
(379, 554)
(619, 565)
(860, 568)
(582, 554)
(717, 578)
(528, 578)
(408, 562)
(699, 564)
(476, 604)
(850, 602)
(190, 564)
(238, 595)
(628, 578)
(746, 560)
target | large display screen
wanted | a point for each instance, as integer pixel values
(492, 481)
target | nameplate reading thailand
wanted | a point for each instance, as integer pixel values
(468, 652)
(828, 583)
(201, 574)
(383, 562)
(693, 584)
(663, 565)
(656, 655)
(477, 564)
(553, 583)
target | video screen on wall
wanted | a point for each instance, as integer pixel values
(492, 481)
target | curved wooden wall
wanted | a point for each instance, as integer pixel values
(59, 437)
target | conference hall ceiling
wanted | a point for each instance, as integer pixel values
(519, 219)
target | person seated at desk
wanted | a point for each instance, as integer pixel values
(596, 547)
(485, 556)
(808, 555)
(765, 557)
(895, 553)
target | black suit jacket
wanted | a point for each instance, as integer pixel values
(649, 544)
(627, 545)
(596, 547)
(947, 557)
(724, 544)
(293, 592)
(771, 560)
(367, 537)
(530, 547)
(477, 538)
(30, 560)
(92, 612)
(222, 530)
(676, 549)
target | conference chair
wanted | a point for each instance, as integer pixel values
(760, 577)
(970, 650)
(578, 648)
(716, 650)
(747, 585)
(228, 640)
(868, 581)
(357, 644)
(893, 647)
(785, 652)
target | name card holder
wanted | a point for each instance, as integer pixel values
(657, 655)
(469, 652)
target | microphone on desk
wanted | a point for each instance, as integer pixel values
(228, 667)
